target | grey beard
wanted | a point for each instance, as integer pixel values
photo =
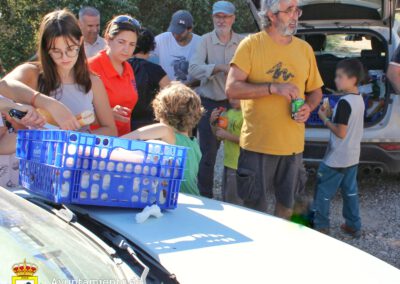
(288, 32)
(285, 31)
(223, 31)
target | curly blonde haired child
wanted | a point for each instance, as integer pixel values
(178, 108)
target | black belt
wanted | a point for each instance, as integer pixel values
(208, 99)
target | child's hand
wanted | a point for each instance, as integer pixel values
(221, 134)
(323, 113)
(329, 111)
(214, 115)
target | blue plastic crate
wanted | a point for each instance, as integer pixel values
(52, 183)
(76, 150)
(73, 167)
(124, 190)
(98, 188)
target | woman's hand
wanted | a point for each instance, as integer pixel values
(32, 118)
(122, 113)
(62, 115)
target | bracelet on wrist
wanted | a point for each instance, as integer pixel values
(326, 120)
(35, 95)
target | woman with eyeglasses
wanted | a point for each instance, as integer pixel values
(114, 70)
(62, 83)
(62, 72)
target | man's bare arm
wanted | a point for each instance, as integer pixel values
(393, 74)
(237, 87)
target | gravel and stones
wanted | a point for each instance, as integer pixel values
(379, 209)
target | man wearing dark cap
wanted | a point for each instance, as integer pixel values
(175, 47)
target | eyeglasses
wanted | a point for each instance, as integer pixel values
(293, 11)
(71, 52)
(128, 20)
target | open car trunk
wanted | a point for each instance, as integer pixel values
(340, 29)
(332, 46)
(375, 12)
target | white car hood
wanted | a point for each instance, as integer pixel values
(206, 241)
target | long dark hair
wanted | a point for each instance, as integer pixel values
(55, 24)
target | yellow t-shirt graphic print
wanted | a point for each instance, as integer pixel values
(267, 124)
(279, 71)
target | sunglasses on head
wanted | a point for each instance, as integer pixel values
(127, 20)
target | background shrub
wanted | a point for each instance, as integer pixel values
(20, 19)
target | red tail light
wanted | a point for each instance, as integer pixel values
(390, 146)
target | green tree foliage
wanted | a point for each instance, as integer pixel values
(20, 19)
(156, 14)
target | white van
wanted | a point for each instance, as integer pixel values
(367, 30)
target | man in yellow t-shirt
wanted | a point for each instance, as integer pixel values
(270, 69)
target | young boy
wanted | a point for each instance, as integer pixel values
(340, 164)
(178, 108)
(230, 136)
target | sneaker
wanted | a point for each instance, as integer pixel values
(350, 231)
(324, 231)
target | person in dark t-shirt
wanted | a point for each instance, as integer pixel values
(150, 78)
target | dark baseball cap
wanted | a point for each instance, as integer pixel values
(181, 21)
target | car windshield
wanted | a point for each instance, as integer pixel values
(58, 250)
(343, 45)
